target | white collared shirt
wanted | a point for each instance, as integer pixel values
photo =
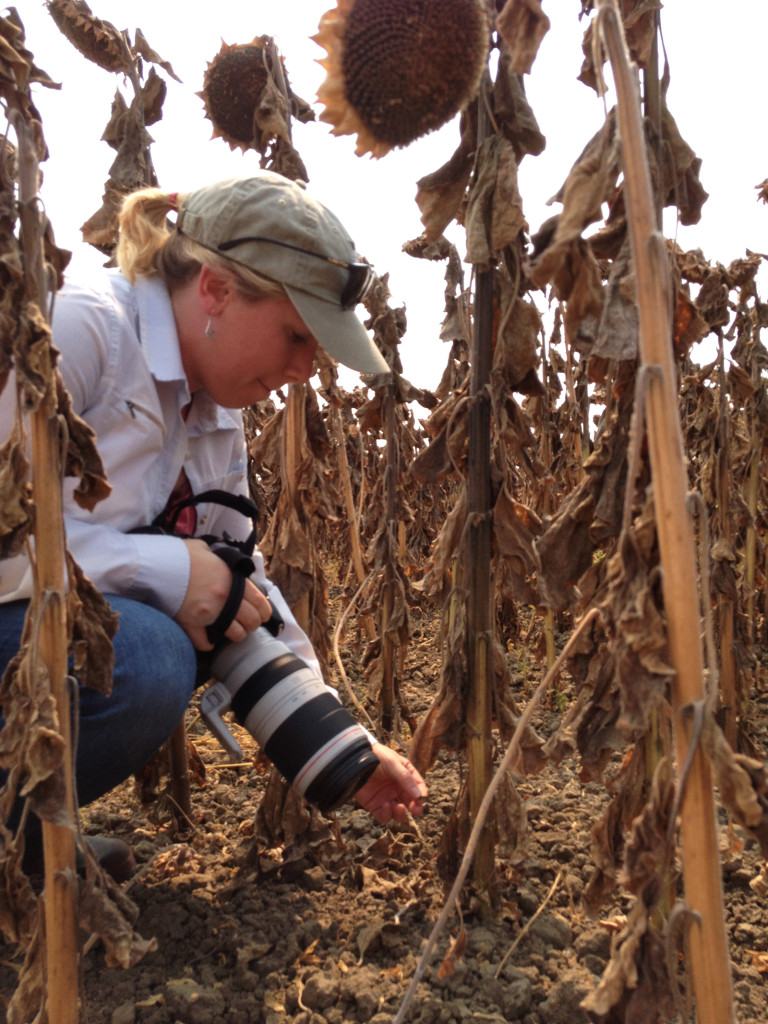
(121, 363)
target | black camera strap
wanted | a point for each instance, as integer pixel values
(236, 553)
(169, 517)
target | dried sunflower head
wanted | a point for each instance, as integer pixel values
(97, 40)
(398, 69)
(233, 86)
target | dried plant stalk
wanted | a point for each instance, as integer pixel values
(753, 485)
(58, 840)
(477, 559)
(389, 590)
(292, 462)
(726, 611)
(349, 504)
(701, 867)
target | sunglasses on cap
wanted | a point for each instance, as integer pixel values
(360, 274)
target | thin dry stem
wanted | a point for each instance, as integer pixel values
(527, 926)
(337, 655)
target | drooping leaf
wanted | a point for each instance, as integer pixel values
(522, 24)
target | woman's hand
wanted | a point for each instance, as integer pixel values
(210, 580)
(394, 790)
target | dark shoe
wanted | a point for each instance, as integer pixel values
(113, 855)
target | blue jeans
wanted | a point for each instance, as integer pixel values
(154, 677)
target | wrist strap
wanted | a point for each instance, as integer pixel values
(241, 567)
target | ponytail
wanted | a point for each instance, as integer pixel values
(149, 245)
(144, 230)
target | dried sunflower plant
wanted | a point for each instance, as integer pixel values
(552, 552)
(399, 69)
(249, 100)
(66, 613)
(126, 131)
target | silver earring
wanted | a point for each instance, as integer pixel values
(209, 331)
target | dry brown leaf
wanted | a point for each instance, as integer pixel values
(513, 112)
(634, 985)
(272, 117)
(153, 93)
(680, 185)
(142, 49)
(515, 527)
(18, 901)
(589, 726)
(589, 515)
(579, 283)
(516, 348)
(367, 935)
(283, 814)
(509, 814)
(18, 69)
(456, 951)
(647, 856)
(742, 782)
(689, 326)
(608, 834)
(440, 194)
(16, 505)
(441, 563)
(93, 624)
(28, 997)
(522, 24)
(15, 59)
(32, 356)
(639, 23)
(590, 183)
(107, 911)
(100, 230)
(440, 728)
(494, 217)
(618, 332)
(759, 960)
(83, 459)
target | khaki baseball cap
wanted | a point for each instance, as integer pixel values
(273, 226)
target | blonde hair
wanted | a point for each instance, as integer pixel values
(149, 245)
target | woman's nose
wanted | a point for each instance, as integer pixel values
(303, 364)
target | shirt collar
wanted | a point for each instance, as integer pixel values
(157, 330)
(160, 342)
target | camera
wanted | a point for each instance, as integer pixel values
(297, 720)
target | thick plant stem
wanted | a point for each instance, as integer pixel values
(388, 641)
(349, 504)
(476, 557)
(725, 605)
(753, 485)
(294, 419)
(710, 966)
(478, 538)
(61, 950)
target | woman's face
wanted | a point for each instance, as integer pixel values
(258, 347)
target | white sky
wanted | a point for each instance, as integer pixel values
(715, 51)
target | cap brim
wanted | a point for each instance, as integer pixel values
(339, 331)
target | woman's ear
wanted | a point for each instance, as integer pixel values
(214, 288)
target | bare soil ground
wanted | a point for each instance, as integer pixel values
(330, 929)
